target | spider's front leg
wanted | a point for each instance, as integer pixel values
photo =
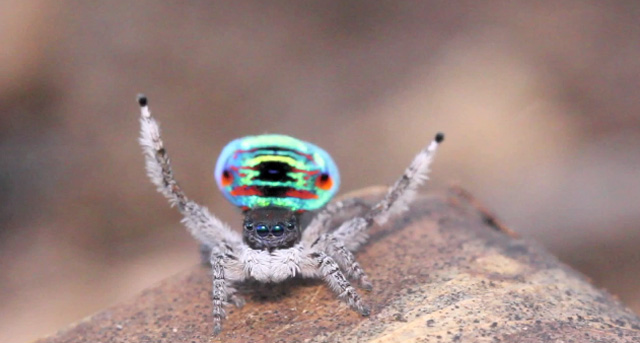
(219, 292)
(222, 292)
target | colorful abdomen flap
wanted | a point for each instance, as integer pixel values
(276, 170)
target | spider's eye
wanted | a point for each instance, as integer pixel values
(248, 226)
(262, 230)
(277, 229)
(291, 225)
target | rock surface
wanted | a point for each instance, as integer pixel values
(447, 271)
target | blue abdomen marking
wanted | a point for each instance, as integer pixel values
(276, 170)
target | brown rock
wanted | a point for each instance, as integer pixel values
(442, 273)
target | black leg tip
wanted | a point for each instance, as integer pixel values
(439, 137)
(142, 100)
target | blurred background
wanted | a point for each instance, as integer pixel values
(539, 100)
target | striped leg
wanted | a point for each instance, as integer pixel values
(345, 259)
(353, 232)
(219, 292)
(222, 291)
(332, 275)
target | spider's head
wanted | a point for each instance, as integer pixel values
(270, 228)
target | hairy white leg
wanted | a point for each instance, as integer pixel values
(345, 259)
(354, 232)
(331, 274)
(336, 212)
(201, 224)
(223, 292)
(219, 291)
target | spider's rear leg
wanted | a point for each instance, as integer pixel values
(345, 259)
(353, 233)
(332, 275)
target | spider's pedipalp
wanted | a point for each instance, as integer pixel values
(270, 266)
(237, 300)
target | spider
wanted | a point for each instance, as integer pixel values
(275, 179)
